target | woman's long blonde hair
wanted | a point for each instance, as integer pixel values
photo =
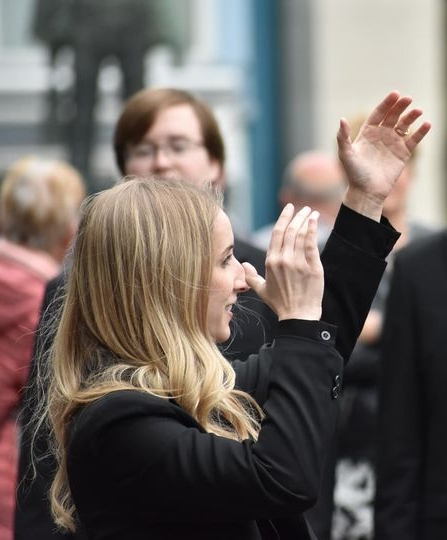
(135, 314)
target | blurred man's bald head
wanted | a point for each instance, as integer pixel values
(313, 177)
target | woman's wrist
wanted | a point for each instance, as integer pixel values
(303, 315)
(367, 204)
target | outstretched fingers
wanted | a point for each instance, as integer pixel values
(383, 108)
(300, 244)
(294, 235)
(311, 242)
(293, 286)
(403, 127)
(415, 138)
(277, 237)
(395, 111)
(403, 122)
(284, 231)
(392, 113)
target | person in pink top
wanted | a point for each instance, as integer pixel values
(39, 205)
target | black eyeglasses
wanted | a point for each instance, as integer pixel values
(174, 148)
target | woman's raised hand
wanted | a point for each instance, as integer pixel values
(374, 161)
(294, 281)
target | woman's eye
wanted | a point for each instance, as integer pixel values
(227, 260)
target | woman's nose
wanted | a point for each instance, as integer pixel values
(240, 284)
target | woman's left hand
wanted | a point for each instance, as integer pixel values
(375, 160)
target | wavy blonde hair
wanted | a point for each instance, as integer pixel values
(135, 316)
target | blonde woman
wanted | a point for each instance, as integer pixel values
(156, 434)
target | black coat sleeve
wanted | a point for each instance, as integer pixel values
(354, 262)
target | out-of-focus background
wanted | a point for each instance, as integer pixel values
(278, 73)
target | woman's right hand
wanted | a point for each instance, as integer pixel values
(294, 280)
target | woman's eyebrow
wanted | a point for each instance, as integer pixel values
(227, 250)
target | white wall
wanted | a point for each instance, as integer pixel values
(363, 50)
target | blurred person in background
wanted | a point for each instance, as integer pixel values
(346, 507)
(411, 498)
(100, 31)
(314, 179)
(51, 24)
(39, 202)
(171, 133)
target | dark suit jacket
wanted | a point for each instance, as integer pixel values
(354, 262)
(139, 465)
(411, 500)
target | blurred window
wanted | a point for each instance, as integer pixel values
(15, 24)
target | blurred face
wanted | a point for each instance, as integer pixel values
(173, 148)
(228, 280)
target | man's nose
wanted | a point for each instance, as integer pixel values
(161, 159)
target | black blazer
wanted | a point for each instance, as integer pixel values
(411, 499)
(139, 466)
(354, 262)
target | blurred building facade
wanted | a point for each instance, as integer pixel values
(278, 73)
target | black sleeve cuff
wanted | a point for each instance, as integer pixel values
(317, 330)
(370, 236)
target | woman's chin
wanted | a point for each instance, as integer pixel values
(222, 337)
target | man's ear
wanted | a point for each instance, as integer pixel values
(218, 176)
